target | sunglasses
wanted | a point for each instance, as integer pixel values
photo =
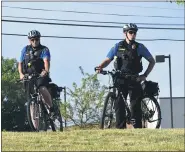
(132, 32)
(37, 39)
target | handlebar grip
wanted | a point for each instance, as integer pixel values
(96, 68)
(27, 78)
(102, 72)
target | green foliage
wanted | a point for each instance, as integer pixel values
(86, 101)
(180, 2)
(83, 107)
(12, 97)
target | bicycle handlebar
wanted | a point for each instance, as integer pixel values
(27, 77)
(113, 72)
(102, 71)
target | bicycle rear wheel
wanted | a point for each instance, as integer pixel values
(36, 117)
(151, 112)
(56, 122)
(108, 115)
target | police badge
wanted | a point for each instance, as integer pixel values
(133, 46)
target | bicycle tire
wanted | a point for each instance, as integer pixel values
(44, 118)
(28, 113)
(46, 109)
(59, 118)
(40, 118)
(154, 100)
(49, 120)
(109, 95)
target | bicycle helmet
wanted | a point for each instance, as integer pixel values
(130, 26)
(33, 34)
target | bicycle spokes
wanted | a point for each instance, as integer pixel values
(34, 112)
(150, 113)
(109, 121)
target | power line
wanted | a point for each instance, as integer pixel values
(132, 6)
(91, 21)
(91, 38)
(85, 25)
(38, 9)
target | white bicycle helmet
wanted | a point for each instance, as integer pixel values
(130, 26)
(33, 34)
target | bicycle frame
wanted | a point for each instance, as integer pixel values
(35, 97)
(117, 91)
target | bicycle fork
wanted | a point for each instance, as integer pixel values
(37, 111)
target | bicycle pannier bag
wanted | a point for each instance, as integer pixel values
(150, 88)
(54, 90)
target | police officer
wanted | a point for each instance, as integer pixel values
(36, 58)
(127, 55)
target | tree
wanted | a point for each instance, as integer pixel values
(85, 102)
(179, 2)
(12, 98)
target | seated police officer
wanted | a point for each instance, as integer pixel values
(127, 55)
(35, 58)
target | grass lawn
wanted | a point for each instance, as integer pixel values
(96, 140)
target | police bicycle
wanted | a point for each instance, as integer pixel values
(37, 111)
(151, 112)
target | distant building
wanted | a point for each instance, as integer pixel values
(178, 112)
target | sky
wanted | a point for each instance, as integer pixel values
(68, 54)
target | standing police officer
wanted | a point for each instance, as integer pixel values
(128, 54)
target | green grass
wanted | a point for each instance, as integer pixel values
(95, 140)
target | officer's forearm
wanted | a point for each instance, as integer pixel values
(20, 68)
(105, 63)
(150, 66)
(46, 65)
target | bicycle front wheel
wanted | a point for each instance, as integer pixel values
(108, 115)
(36, 117)
(151, 112)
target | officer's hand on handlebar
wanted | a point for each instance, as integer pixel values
(141, 78)
(21, 76)
(98, 69)
(44, 73)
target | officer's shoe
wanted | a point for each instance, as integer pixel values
(133, 121)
